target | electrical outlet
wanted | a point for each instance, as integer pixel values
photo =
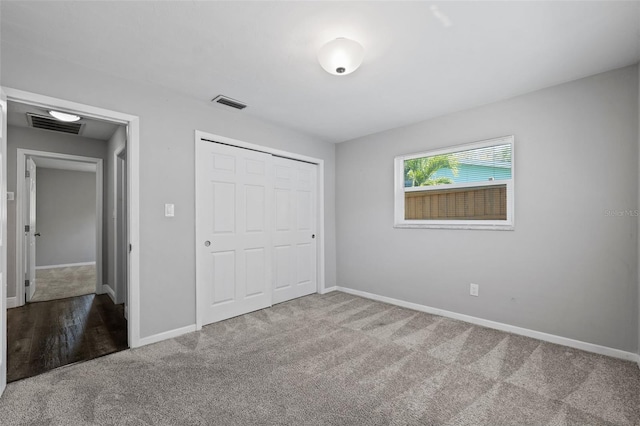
(473, 289)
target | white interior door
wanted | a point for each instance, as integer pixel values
(31, 234)
(234, 189)
(294, 237)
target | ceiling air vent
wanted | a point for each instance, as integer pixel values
(223, 100)
(48, 123)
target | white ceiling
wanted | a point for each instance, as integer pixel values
(264, 53)
(95, 129)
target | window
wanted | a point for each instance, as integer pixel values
(468, 186)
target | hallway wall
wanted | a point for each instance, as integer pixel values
(65, 217)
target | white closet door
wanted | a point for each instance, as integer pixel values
(294, 239)
(234, 190)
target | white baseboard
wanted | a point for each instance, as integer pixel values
(106, 288)
(329, 290)
(577, 344)
(66, 265)
(12, 302)
(166, 335)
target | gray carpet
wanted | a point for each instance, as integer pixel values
(60, 283)
(334, 360)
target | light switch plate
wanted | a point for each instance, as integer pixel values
(169, 210)
(10, 196)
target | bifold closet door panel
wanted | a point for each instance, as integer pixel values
(294, 236)
(234, 204)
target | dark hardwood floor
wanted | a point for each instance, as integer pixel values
(42, 336)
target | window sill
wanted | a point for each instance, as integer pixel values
(509, 227)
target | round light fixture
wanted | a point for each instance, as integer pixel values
(341, 56)
(63, 116)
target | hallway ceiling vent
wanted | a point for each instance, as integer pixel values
(49, 123)
(223, 100)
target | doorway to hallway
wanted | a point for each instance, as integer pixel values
(60, 203)
(65, 309)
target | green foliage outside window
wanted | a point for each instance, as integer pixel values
(420, 171)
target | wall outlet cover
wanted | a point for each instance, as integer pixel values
(474, 289)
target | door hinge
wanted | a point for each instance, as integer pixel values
(130, 248)
(26, 283)
(27, 174)
(27, 228)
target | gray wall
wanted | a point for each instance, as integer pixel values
(567, 269)
(167, 150)
(65, 217)
(40, 140)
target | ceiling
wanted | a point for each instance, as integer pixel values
(264, 53)
(95, 129)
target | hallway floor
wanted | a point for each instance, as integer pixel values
(46, 335)
(59, 283)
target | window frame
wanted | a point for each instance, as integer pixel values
(400, 190)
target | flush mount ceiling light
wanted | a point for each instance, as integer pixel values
(63, 116)
(341, 56)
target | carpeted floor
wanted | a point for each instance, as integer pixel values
(335, 359)
(60, 283)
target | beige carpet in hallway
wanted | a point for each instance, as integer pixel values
(59, 283)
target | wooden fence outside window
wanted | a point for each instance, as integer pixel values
(477, 203)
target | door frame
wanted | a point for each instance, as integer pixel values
(116, 219)
(200, 135)
(132, 124)
(3, 240)
(22, 192)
